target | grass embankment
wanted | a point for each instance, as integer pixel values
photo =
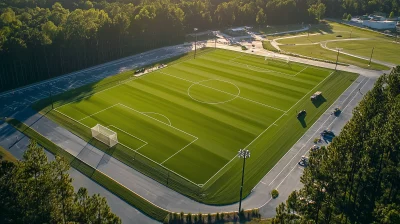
(7, 156)
(114, 187)
(268, 46)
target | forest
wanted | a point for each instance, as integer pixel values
(42, 39)
(356, 179)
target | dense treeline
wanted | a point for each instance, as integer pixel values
(47, 38)
(357, 178)
(40, 39)
(37, 191)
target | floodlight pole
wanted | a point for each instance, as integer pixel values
(337, 59)
(195, 43)
(243, 153)
(371, 56)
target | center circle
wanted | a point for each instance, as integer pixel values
(214, 86)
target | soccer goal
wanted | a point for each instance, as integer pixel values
(105, 135)
(269, 57)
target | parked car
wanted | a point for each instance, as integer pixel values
(303, 161)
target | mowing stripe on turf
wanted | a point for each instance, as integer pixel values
(237, 96)
(271, 125)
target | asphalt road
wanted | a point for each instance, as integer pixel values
(284, 176)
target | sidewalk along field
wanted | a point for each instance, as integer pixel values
(316, 51)
(189, 120)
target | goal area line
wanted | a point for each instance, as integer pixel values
(146, 143)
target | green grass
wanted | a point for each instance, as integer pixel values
(117, 189)
(316, 51)
(188, 119)
(383, 50)
(268, 46)
(7, 156)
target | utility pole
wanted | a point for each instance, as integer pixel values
(195, 43)
(337, 58)
(243, 153)
(371, 56)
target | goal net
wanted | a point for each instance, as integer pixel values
(277, 58)
(105, 135)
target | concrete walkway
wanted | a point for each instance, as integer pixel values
(284, 176)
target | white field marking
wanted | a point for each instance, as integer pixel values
(179, 150)
(169, 170)
(145, 143)
(156, 120)
(272, 125)
(262, 69)
(241, 55)
(72, 118)
(301, 71)
(98, 112)
(125, 81)
(170, 124)
(300, 149)
(265, 105)
(198, 83)
(313, 136)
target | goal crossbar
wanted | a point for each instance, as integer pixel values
(105, 135)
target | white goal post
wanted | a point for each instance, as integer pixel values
(277, 57)
(105, 135)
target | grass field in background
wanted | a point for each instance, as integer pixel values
(193, 117)
(316, 51)
(383, 50)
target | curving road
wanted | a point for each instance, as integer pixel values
(285, 176)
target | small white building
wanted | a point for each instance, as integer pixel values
(380, 25)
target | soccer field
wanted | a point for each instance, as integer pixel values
(192, 117)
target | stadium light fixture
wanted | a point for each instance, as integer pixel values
(243, 153)
(195, 43)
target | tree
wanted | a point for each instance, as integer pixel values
(356, 179)
(344, 16)
(349, 17)
(317, 9)
(261, 18)
(35, 190)
(391, 15)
